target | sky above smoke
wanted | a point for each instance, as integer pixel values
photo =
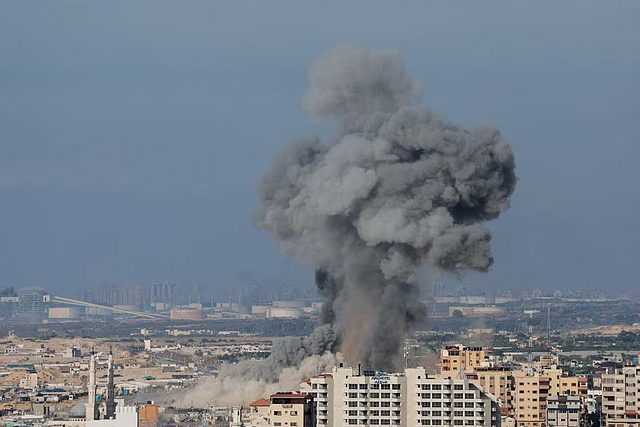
(132, 137)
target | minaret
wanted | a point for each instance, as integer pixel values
(111, 391)
(91, 405)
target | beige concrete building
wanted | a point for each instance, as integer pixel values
(453, 359)
(620, 392)
(258, 414)
(496, 380)
(291, 410)
(563, 385)
(529, 400)
(347, 397)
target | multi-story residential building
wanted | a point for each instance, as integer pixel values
(458, 358)
(497, 380)
(348, 397)
(620, 397)
(291, 410)
(563, 385)
(530, 399)
(563, 411)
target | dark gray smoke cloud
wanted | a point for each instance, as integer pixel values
(396, 187)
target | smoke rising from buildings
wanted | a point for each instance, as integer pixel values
(291, 360)
(398, 186)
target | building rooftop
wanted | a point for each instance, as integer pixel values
(260, 402)
(290, 395)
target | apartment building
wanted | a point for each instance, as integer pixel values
(563, 385)
(348, 397)
(563, 411)
(530, 399)
(620, 397)
(291, 410)
(496, 380)
(458, 357)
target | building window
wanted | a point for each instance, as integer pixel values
(457, 422)
(353, 395)
(385, 386)
(395, 386)
(353, 413)
(385, 413)
(385, 422)
(458, 387)
(468, 404)
(353, 404)
(469, 396)
(385, 395)
(277, 412)
(353, 421)
(277, 424)
(374, 395)
(374, 422)
(363, 386)
(385, 404)
(426, 386)
(426, 395)
(426, 422)
(353, 386)
(436, 387)
(426, 404)
(294, 413)
(436, 395)
(374, 413)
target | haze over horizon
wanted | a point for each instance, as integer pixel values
(133, 134)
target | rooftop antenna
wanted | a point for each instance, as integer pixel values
(407, 362)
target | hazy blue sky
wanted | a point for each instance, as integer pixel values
(132, 133)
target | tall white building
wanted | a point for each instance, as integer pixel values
(346, 397)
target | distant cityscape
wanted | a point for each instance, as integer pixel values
(168, 299)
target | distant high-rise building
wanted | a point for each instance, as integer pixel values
(33, 303)
(115, 295)
(162, 295)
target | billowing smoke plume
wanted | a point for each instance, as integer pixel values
(291, 360)
(398, 186)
